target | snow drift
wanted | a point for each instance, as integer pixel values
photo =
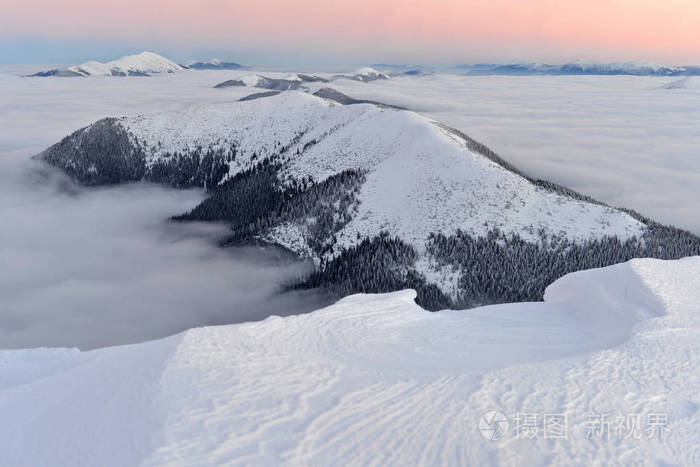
(374, 378)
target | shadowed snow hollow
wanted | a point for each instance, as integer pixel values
(375, 378)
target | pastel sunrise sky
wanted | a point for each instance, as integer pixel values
(288, 32)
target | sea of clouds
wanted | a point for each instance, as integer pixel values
(103, 266)
(92, 267)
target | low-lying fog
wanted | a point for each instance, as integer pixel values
(103, 266)
(95, 267)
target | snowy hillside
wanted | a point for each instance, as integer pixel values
(375, 379)
(142, 64)
(330, 181)
(339, 182)
(422, 177)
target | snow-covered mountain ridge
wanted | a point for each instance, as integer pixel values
(402, 151)
(298, 80)
(212, 64)
(579, 67)
(326, 180)
(374, 378)
(143, 64)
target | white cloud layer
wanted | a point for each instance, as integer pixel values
(98, 267)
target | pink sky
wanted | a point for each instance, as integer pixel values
(438, 31)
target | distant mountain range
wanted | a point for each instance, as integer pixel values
(365, 74)
(290, 82)
(297, 80)
(148, 63)
(405, 69)
(143, 64)
(213, 64)
(579, 68)
(380, 198)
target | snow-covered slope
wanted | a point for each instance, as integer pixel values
(422, 178)
(376, 380)
(411, 177)
(142, 64)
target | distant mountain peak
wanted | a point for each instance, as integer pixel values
(364, 74)
(290, 82)
(212, 64)
(141, 64)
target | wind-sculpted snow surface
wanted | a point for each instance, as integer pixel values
(420, 178)
(375, 379)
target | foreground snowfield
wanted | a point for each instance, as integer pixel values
(374, 379)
